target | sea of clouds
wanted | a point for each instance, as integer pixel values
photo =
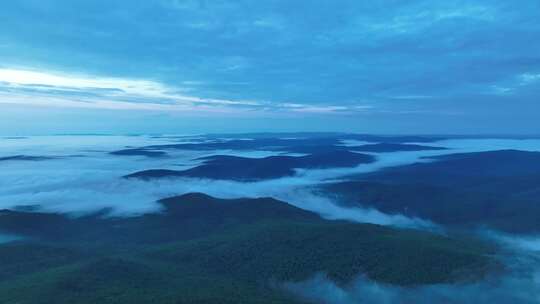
(82, 177)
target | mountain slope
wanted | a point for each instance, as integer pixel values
(201, 249)
(249, 169)
(497, 189)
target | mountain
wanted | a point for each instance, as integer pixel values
(466, 168)
(249, 169)
(183, 217)
(299, 142)
(496, 189)
(201, 249)
(329, 135)
(26, 158)
(393, 147)
(139, 152)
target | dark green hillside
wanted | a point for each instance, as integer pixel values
(133, 281)
(201, 249)
(466, 209)
(295, 251)
(183, 217)
(467, 169)
(22, 257)
(497, 189)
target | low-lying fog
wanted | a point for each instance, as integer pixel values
(81, 176)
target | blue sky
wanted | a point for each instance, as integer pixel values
(173, 66)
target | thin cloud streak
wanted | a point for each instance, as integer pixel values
(37, 88)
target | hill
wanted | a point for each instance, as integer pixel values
(497, 189)
(249, 169)
(201, 249)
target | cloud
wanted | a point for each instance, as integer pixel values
(518, 289)
(521, 243)
(97, 184)
(53, 89)
(352, 50)
(67, 90)
(429, 15)
(6, 238)
(92, 180)
(529, 78)
(243, 58)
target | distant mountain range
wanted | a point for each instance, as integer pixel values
(309, 144)
(249, 169)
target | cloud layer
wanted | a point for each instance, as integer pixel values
(82, 177)
(420, 66)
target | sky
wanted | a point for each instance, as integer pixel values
(197, 66)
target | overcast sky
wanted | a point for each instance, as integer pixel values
(174, 66)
